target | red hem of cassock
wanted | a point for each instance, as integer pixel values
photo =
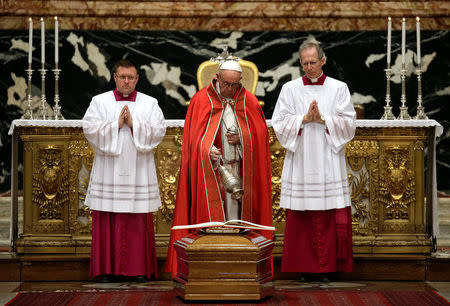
(311, 242)
(123, 244)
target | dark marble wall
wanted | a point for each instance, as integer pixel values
(168, 62)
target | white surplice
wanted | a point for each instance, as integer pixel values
(314, 173)
(123, 177)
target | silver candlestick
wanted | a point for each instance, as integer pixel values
(56, 107)
(388, 115)
(43, 108)
(28, 114)
(420, 109)
(403, 109)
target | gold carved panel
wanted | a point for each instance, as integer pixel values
(81, 159)
(50, 199)
(362, 168)
(385, 173)
(397, 188)
(168, 159)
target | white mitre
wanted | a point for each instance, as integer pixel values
(227, 61)
(230, 65)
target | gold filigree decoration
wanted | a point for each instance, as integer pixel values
(360, 194)
(418, 146)
(277, 160)
(356, 162)
(168, 169)
(81, 156)
(397, 188)
(28, 146)
(50, 185)
(362, 160)
(177, 135)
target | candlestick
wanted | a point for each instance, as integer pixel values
(56, 107)
(403, 109)
(388, 115)
(42, 41)
(28, 114)
(43, 108)
(389, 34)
(418, 40)
(403, 39)
(56, 40)
(30, 41)
(420, 109)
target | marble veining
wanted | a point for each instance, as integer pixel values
(168, 62)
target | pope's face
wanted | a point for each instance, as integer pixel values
(126, 79)
(229, 81)
(310, 62)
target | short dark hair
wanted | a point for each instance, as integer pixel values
(124, 63)
(310, 44)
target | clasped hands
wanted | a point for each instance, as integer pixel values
(125, 117)
(313, 114)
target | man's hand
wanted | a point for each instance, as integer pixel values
(214, 154)
(317, 116)
(233, 139)
(128, 118)
(122, 117)
(125, 117)
(309, 117)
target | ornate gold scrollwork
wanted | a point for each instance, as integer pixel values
(168, 164)
(418, 145)
(359, 195)
(50, 185)
(81, 159)
(177, 133)
(362, 157)
(277, 160)
(397, 189)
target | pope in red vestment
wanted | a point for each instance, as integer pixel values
(200, 195)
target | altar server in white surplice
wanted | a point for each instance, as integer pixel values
(123, 126)
(314, 119)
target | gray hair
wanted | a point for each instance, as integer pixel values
(310, 44)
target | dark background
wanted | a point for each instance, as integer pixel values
(180, 52)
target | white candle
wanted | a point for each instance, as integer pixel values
(30, 41)
(42, 41)
(56, 40)
(403, 39)
(418, 39)
(389, 40)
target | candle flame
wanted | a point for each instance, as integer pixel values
(389, 18)
(56, 17)
(42, 19)
(29, 19)
(403, 19)
(417, 18)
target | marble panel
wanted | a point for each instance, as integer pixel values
(217, 15)
(168, 62)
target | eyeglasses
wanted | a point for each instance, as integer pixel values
(130, 78)
(226, 84)
(312, 63)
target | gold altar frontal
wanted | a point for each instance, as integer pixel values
(224, 266)
(386, 171)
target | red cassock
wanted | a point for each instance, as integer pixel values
(199, 195)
